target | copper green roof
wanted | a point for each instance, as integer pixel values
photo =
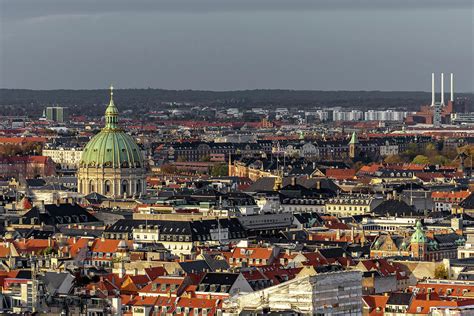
(418, 236)
(354, 139)
(112, 147)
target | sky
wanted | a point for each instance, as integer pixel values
(390, 45)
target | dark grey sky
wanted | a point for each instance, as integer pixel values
(239, 44)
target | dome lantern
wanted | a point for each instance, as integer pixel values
(111, 113)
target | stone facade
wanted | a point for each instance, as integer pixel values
(112, 182)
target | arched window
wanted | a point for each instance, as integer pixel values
(108, 187)
(91, 186)
(125, 187)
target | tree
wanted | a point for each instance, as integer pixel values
(219, 170)
(421, 160)
(205, 159)
(441, 272)
(392, 159)
(181, 159)
(440, 160)
(168, 169)
(430, 149)
(469, 151)
(411, 151)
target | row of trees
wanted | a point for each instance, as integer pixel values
(28, 148)
(432, 154)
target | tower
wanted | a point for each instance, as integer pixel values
(353, 146)
(418, 242)
(442, 89)
(452, 88)
(437, 106)
(433, 98)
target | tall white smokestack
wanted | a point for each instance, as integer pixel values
(442, 88)
(432, 89)
(452, 87)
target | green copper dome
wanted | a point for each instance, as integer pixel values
(112, 147)
(418, 236)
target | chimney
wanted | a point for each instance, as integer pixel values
(452, 87)
(442, 88)
(432, 89)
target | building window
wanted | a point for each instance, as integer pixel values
(125, 187)
(139, 186)
(108, 187)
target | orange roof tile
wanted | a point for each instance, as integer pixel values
(450, 195)
(375, 303)
(252, 253)
(340, 174)
(107, 245)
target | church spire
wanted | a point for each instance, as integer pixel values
(354, 139)
(111, 113)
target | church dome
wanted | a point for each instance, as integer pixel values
(112, 147)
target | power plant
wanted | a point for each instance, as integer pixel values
(438, 112)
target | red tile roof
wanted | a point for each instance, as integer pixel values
(341, 174)
(375, 303)
(458, 195)
(452, 289)
(107, 245)
(252, 253)
(33, 245)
